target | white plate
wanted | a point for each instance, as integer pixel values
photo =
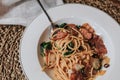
(71, 13)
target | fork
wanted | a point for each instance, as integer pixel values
(49, 18)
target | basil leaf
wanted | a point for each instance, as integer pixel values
(71, 44)
(78, 26)
(45, 45)
(68, 53)
(62, 25)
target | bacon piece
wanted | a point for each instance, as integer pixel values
(71, 27)
(60, 35)
(88, 27)
(76, 75)
(79, 77)
(87, 31)
(99, 45)
(73, 76)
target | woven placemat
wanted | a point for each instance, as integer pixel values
(10, 36)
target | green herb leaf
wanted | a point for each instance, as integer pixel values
(45, 45)
(62, 25)
(78, 26)
(71, 44)
(68, 53)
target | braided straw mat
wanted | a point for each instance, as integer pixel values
(10, 36)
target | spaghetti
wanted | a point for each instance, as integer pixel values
(74, 53)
